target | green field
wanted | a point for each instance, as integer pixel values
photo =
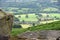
(32, 17)
(54, 14)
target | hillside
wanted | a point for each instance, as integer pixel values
(27, 3)
(29, 6)
(49, 26)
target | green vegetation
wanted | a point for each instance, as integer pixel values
(16, 31)
(50, 9)
(20, 16)
(53, 15)
(30, 10)
(32, 17)
(35, 18)
(49, 26)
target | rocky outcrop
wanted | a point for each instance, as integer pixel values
(6, 21)
(40, 35)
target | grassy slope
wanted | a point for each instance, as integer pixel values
(49, 26)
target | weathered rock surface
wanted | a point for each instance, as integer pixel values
(6, 21)
(40, 35)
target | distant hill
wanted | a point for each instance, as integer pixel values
(27, 3)
(34, 6)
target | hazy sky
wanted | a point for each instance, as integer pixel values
(25, 0)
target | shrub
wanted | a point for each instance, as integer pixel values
(17, 26)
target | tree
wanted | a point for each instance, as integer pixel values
(47, 16)
(16, 19)
(33, 24)
(17, 26)
(19, 16)
(23, 21)
(26, 15)
(39, 19)
(55, 17)
(40, 15)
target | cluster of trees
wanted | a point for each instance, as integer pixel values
(17, 26)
